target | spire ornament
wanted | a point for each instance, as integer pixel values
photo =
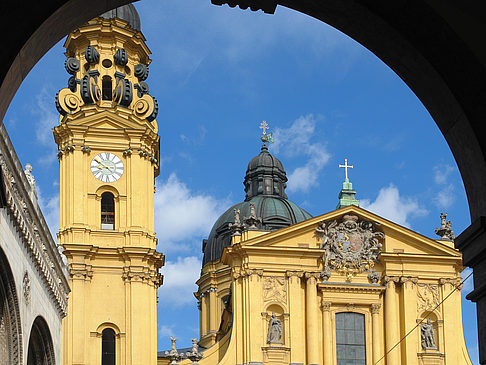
(347, 194)
(194, 355)
(266, 137)
(253, 220)
(445, 231)
(173, 355)
(236, 227)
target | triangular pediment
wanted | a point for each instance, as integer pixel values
(107, 120)
(398, 240)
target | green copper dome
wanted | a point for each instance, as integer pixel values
(265, 183)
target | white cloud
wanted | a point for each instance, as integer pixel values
(445, 197)
(296, 141)
(390, 205)
(47, 117)
(167, 331)
(441, 173)
(50, 208)
(181, 216)
(179, 281)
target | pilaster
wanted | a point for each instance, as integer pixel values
(297, 320)
(327, 327)
(311, 309)
(392, 330)
(376, 332)
(409, 313)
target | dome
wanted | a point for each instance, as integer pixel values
(127, 13)
(265, 183)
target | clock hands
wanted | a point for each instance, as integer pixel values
(111, 168)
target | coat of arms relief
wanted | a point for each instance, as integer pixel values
(351, 246)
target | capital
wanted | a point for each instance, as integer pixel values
(375, 308)
(390, 281)
(312, 276)
(409, 280)
(326, 306)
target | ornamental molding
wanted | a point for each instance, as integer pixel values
(347, 288)
(456, 283)
(275, 289)
(31, 226)
(351, 245)
(142, 274)
(326, 306)
(428, 297)
(375, 308)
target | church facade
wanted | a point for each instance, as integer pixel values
(346, 287)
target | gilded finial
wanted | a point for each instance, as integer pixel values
(266, 137)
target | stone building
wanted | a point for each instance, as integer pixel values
(33, 277)
(278, 286)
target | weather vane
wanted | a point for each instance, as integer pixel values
(266, 137)
(346, 167)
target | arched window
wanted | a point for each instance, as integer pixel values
(106, 88)
(108, 347)
(350, 338)
(107, 211)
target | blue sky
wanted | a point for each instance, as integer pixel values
(217, 73)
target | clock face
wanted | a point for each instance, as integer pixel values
(107, 167)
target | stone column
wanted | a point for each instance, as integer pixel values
(311, 308)
(392, 330)
(376, 332)
(213, 310)
(326, 324)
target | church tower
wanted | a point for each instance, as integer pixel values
(109, 157)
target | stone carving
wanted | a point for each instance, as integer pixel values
(142, 88)
(253, 220)
(90, 91)
(194, 355)
(91, 55)
(26, 287)
(173, 355)
(71, 65)
(141, 72)
(274, 289)
(123, 94)
(121, 57)
(236, 227)
(428, 297)
(445, 231)
(375, 308)
(274, 330)
(28, 174)
(374, 277)
(427, 336)
(351, 246)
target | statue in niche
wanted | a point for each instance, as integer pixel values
(428, 341)
(274, 330)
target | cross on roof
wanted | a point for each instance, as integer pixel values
(346, 167)
(264, 126)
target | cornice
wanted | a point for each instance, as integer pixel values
(32, 227)
(351, 288)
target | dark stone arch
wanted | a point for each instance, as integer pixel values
(41, 348)
(10, 326)
(435, 46)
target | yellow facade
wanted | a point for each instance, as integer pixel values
(280, 272)
(113, 266)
